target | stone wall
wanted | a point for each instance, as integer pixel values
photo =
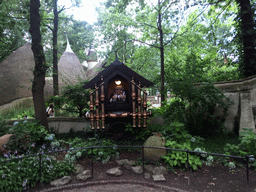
(243, 95)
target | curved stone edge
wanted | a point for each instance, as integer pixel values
(105, 182)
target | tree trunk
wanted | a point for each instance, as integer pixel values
(55, 50)
(161, 53)
(40, 64)
(248, 38)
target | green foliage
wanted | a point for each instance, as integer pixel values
(3, 127)
(99, 154)
(20, 113)
(173, 110)
(76, 99)
(19, 175)
(246, 146)
(179, 158)
(140, 133)
(26, 135)
(177, 137)
(196, 108)
(14, 17)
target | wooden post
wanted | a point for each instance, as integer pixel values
(91, 110)
(97, 107)
(139, 106)
(102, 98)
(133, 103)
(145, 107)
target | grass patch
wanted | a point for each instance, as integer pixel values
(217, 143)
(19, 113)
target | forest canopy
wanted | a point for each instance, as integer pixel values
(163, 40)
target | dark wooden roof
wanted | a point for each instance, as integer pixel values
(118, 68)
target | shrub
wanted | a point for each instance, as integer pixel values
(26, 135)
(3, 127)
(177, 137)
(246, 146)
(195, 107)
(179, 158)
(99, 154)
(21, 174)
(76, 99)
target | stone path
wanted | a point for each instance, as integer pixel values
(156, 172)
(115, 188)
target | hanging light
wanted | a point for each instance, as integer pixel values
(118, 82)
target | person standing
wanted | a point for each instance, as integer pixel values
(50, 111)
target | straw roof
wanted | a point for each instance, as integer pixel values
(16, 75)
(91, 73)
(70, 69)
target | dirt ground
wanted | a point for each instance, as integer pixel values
(217, 178)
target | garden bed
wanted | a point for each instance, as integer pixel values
(207, 178)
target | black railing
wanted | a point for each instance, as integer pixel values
(246, 158)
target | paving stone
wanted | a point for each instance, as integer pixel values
(159, 170)
(122, 162)
(138, 170)
(149, 168)
(79, 168)
(84, 175)
(62, 181)
(147, 175)
(158, 177)
(114, 172)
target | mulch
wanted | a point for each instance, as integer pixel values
(217, 178)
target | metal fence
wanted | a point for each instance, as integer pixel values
(246, 158)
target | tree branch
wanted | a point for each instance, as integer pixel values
(49, 27)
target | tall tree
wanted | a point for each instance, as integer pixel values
(14, 24)
(54, 29)
(40, 64)
(247, 36)
(245, 29)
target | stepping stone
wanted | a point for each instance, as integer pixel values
(147, 175)
(62, 181)
(84, 175)
(79, 169)
(158, 177)
(138, 170)
(149, 168)
(114, 172)
(122, 162)
(160, 170)
(126, 163)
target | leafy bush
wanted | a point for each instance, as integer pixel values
(140, 133)
(246, 146)
(25, 136)
(20, 113)
(76, 98)
(173, 110)
(3, 127)
(99, 154)
(195, 107)
(177, 137)
(179, 158)
(21, 174)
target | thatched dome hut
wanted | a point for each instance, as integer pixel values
(70, 69)
(16, 75)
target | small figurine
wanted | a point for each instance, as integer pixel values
(119, 95)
